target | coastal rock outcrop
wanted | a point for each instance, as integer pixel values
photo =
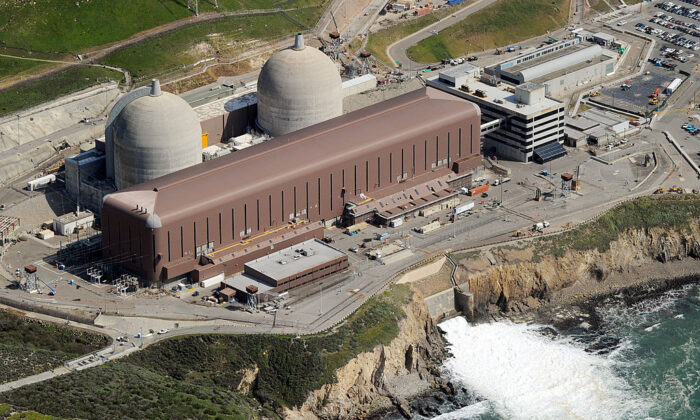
(523, 282)
(385, 377)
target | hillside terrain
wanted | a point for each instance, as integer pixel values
(29, 346)
(157, 39)
(502, 23)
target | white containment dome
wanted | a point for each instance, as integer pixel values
(154, 135)
(298, 87)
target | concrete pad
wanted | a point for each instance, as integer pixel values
(422, 272)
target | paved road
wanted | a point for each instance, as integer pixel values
(397, 50)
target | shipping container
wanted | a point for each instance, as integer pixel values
(478, 190)
(463, 208)
(396, 222)
(423, 11)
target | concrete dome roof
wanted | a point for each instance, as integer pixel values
(155, 135)
(298, 87)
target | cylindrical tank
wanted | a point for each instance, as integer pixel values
(155, 135)
(298, 87)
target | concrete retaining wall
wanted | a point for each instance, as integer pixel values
(441, 304)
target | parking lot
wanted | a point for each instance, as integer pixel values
(636, 98)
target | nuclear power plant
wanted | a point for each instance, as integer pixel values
(166, 214)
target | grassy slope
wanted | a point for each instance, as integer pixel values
(197, 376)
(380, 40)
(40, 91)
(670, 211)
(177, 48)
(44, 346)
(59, 25)
(147, 59)
(17, 67)
(498, 25)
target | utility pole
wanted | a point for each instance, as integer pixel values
(17, 130)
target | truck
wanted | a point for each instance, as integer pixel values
(382, 236)
(500, 181)
(463, 208)
(478, 190)
(539, 226)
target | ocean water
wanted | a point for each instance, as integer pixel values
(643, 362)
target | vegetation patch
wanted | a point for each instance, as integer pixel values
(197, 376)
(378, 42)
(671, 211)
(60, 26)
(42, 90)
(498, 25)
(15, 67)
(174, 51)
(28, 347)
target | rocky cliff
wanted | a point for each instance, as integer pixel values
(384, 377)
(518, 283)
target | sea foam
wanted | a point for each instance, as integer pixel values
(524, 375)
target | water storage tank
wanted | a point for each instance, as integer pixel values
(298, 87)
(154, 135)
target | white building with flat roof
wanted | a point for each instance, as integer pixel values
(532, 125)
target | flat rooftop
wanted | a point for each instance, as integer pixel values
(576, 67)
(300, 257)
(243, 280)
(502, 96)
(546, 58)
(73, 217)
(230, 103)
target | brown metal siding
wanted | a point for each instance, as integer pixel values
(254, 183)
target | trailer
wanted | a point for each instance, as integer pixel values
(463, 208)
(42, 182)
(673, 86)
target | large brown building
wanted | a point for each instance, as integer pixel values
(206, 219)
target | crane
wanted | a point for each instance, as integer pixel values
(53, 291)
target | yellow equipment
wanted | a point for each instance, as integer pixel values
(660, 190)
(675, 189)
(594, 94)
(518, 234)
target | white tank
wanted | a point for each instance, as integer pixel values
(155, 135)
(298, 87)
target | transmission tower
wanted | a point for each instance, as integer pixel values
(193, 4)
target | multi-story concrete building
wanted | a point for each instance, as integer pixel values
(525, 125)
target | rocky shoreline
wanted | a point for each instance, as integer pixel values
(403, 379)
(565, 312)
